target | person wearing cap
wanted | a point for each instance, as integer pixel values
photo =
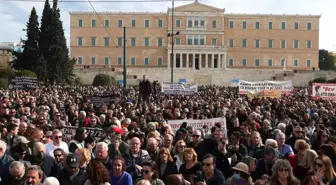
(241, 175)
(212, 176)
(70, 174)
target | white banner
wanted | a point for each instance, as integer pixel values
(252, 87)
(196, 124)
(325, 91)
(178, 88)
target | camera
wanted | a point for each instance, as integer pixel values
(198, 177)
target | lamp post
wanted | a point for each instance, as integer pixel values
(172, 43)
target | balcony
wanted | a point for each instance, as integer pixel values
(212, 48)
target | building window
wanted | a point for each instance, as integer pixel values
(147, 41)
(214, 42)
(244, 43)
(177, 23)
(190, 39)
(146, 61)
(257, 25)
(283, 25)
(231, 62)
(257, 62)
(93, 60)
(196, 22)
(107, 60)
(133, 61)
(296, 44)
(309, 44)
(120, 23)
(231, 24)
(270, 25)
(159, 61)
(79, 60)
(257, 43)
(159, 41)
(308, 63)
(93, 23)
(283, 62)
(79, 41)
(296, 25)
(119, 60)
(196, 39)
(270, 43)
(160, 24)
(93, 41)
(133, 23)
(244, 62)
(106, 41)
(120, 41)
(146, 23)
(244, 24)
(309, 26)
(270, 62)
(107, 23)
(283, 43)
(133, 41)
(296, 63)
(190, 23)
(177, 41)
(214, 24)
(202, 40)
(231, 44)
(80, 23)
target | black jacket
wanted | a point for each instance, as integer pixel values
(216, 179)
(170, 169)
(5, 162)
(222, 163)
(64, 178)
(48, 166)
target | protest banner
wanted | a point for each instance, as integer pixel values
(98, 101)
(286, 87)
(22, 83)
(70, 131)
(198, 124)
(265, 94)
(178, 88)
(325, 91)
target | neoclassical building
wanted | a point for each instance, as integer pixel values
(207, 38)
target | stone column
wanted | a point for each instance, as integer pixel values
(219, 61)
(200, 60)
(193, 61)
(187, 64)
(174, 61)
(206, 60)
(224, 61)
(213, 61)
(168, 60)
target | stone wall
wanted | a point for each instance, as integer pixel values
(206, 76)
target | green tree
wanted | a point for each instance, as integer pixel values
(41, 69)
(26, 73)
(28, 58)
(326, 60)
(45, 31)
(101, 80)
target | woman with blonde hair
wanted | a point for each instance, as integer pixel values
(323, 170)
(309, 159)
(255, 146)
(282, 173)
(179, 150)
(190, 165)
(297, 160)
(85, 157)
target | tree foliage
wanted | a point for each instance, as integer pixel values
(26, 73)
(318, 80)
(6, 72)
(326, 60)
(103, 79)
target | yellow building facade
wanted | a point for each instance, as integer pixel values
(208, 38)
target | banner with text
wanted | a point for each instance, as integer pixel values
(22, 83)
(245, 87)
(70, 131)
(325, 91)
(98, 101)
(178, 88)
(198, 124)
(265, 94)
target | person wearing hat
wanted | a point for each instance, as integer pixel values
(70, 174)
(241, 175)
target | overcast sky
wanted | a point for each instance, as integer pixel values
(14, 15)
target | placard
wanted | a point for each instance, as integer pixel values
(325, 91)
(98, 101)
(70, 131)
(22, 83)
(286, 87)
(178, 88)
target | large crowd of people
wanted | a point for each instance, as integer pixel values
(286, 141)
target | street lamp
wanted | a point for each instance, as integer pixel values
(172, 43)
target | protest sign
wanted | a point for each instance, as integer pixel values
(22, 83)
(98, 101)
(325, 91)
(265, 94)
(178, 88)
(198, 124)
(245, 87)
(70, 131)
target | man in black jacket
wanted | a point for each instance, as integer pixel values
(71, 175)
(212, 176)
(145, 89)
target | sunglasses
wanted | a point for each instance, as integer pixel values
(283, 170)
(195, 135)
(182, 146)
(58, 137)
(207, 164)
(146, 171)
(49, 137)
(319, 165)
(58, 155)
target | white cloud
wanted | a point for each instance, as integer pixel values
(14, 15)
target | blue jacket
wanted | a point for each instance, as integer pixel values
(5, 162)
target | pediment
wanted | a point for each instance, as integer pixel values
(197, 7)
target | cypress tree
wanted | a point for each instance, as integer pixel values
(27, 60)
(41, 69)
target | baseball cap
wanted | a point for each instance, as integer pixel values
(20, 139)
(73, 161)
